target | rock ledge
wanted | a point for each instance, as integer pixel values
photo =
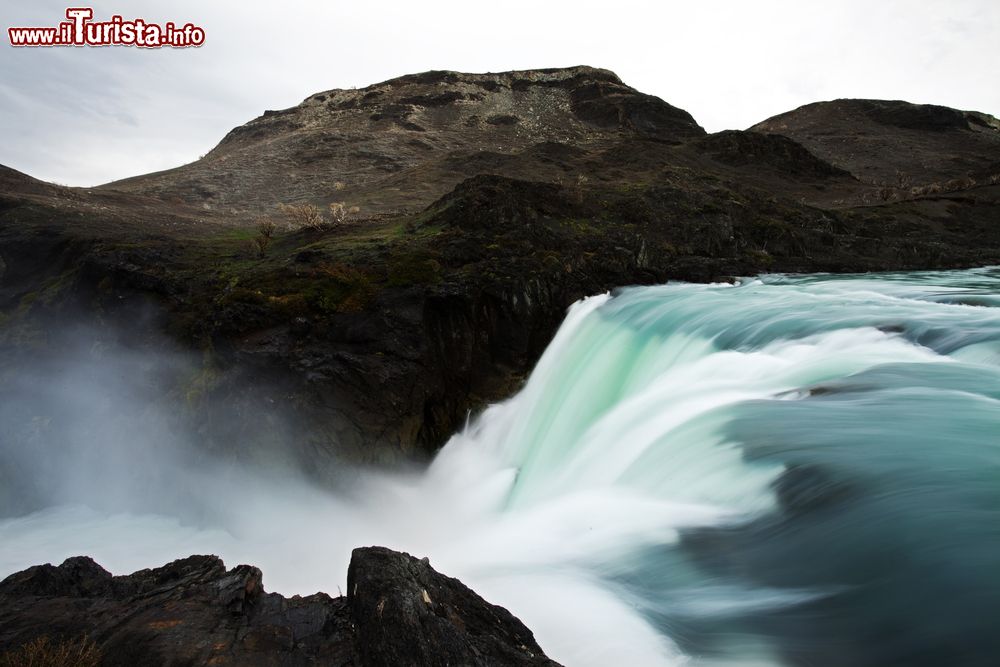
(399, 611)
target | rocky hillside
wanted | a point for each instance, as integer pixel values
(908, 148)
(473, 210)
(402, 143)
(398, 611)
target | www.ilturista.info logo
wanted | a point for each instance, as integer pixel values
(80, 30)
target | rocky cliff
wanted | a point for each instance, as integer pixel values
(398, 611)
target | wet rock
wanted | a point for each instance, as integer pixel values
(409, 614)
(195, 612)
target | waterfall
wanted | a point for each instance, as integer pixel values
(791, 470)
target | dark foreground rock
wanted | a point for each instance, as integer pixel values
(408, 614)
(399, 612)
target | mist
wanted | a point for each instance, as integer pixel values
(102, 455)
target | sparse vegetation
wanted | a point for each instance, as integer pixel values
(342, 288)
(407, 269)
(579, 187)
(904, 189)
(265, 233)
(44, 652)
(310, 216)
(759, 257)
(303, 216)
(338, 212)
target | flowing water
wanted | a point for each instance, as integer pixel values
(787, 471)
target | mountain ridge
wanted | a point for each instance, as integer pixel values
(364, 135)
(892, 142)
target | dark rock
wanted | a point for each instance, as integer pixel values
(771, 150)
(191, 611)
(76, 577)
(503, 119)
(609, 105)
(893, 143)
(195, 612)
(434, 100)
(408, 614)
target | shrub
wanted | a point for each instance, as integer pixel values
(761, 259)
(265, 232)
(580, 186)
(309, 216)
(43, 652)
(303, 216)
(887, 193)
(338, 212)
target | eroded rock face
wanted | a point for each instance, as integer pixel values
(195, 612)
(408, 614)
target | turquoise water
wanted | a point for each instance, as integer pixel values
(853, 421)
(793, 470)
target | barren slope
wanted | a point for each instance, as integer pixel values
(895, 143)
(340, 142)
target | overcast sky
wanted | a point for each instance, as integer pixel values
(83, 116)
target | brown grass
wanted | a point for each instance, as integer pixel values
(43, 652)
(303, 216)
